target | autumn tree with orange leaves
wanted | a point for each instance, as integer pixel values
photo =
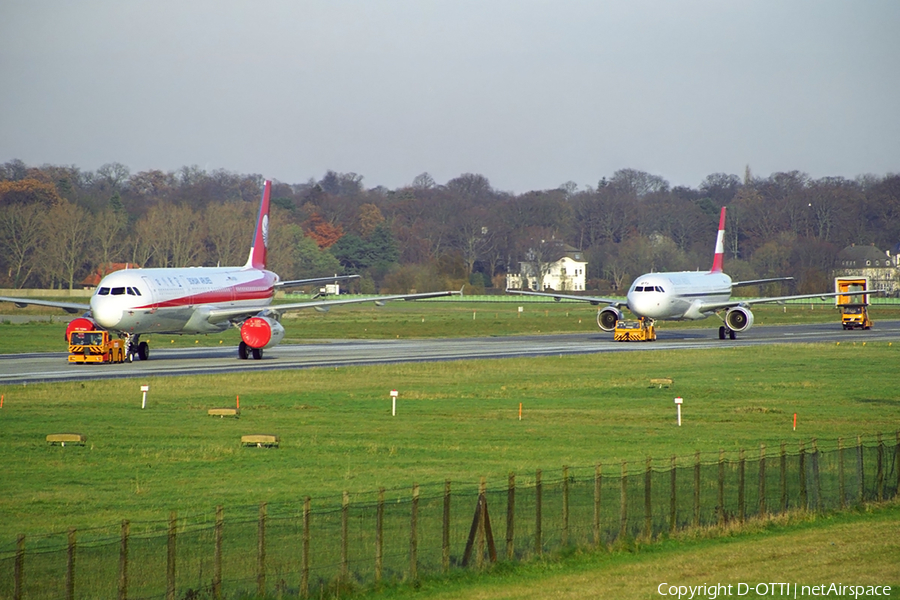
(321, 231)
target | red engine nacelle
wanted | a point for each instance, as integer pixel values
(261, 332)
(81, 324)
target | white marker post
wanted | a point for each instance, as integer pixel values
(144, 389)
(393, 403)
(678, 402)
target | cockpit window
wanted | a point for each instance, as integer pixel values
(137, 292)
(659, 289)
(639, 288)
(118, 291)
(104, 291)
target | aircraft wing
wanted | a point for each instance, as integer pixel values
(708, 307)
(617, 302)
(759, 281)
(217, 315)
(316, 280)
(69, 307)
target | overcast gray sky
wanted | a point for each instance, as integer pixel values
(529, 93)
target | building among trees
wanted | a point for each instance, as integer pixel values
(882, 269)
(551, 265)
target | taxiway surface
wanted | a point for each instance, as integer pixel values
(45, 367)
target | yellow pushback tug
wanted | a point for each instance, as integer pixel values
(635, 331)
(95, 347)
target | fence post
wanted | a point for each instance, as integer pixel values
(859, 469)
(817, 481)
(721, 490)
(414, 536)
(19, 576)
(123, 562)
(804, 499)
(170, 558)
(762, 480)
(565, 507)
(510, 516)
(479, 533)
(648, 507)
(741, 505)
(379, 536)
(345, 514)
(697, 490)
(70, 566)
(879, 469)
(304, 558)
(841, 471)
(673, 505)
(538, 543)
(261, 551)
(217, 554)
(445, 530)
(623, 509)
(598, 481)
(783, 477)
(897, 462)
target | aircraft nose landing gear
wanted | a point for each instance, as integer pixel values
(133, 348)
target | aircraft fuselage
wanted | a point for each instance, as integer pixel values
(678, 295)
(141, 301)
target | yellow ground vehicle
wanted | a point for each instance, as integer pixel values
(95, 347)
(635, 331)
(853, 304)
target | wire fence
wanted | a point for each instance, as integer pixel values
(324, 547)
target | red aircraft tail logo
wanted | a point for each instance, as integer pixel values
(718, 259)
(257, 258)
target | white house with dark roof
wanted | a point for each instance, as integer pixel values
(558, 266)
(882, 268)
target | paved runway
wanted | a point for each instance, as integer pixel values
(29, 368)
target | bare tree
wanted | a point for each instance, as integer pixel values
(173, 234)
(21, 229)
(229, 227)
(69, 228)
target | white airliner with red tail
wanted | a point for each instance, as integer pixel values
(684, 295)
(138, 302)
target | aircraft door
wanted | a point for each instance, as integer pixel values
(150, 286)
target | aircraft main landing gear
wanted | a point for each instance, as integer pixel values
(726, 332)
(245, 352)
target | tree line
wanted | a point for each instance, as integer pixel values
(58, 224)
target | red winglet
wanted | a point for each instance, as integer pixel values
(719, 257)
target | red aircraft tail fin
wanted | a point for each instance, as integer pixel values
(718, 259)
(257, 258)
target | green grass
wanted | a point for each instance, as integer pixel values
(456, 420)
(415, 320)
(856, 548)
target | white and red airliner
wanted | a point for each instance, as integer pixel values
(684, 295)
(139, 302)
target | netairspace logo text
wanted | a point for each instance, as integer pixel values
(777, 590)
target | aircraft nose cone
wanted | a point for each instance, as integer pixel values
(104, 314)
(643, 306)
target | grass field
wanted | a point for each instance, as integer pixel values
(427, 319)
(858, 548)
(456, 420)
